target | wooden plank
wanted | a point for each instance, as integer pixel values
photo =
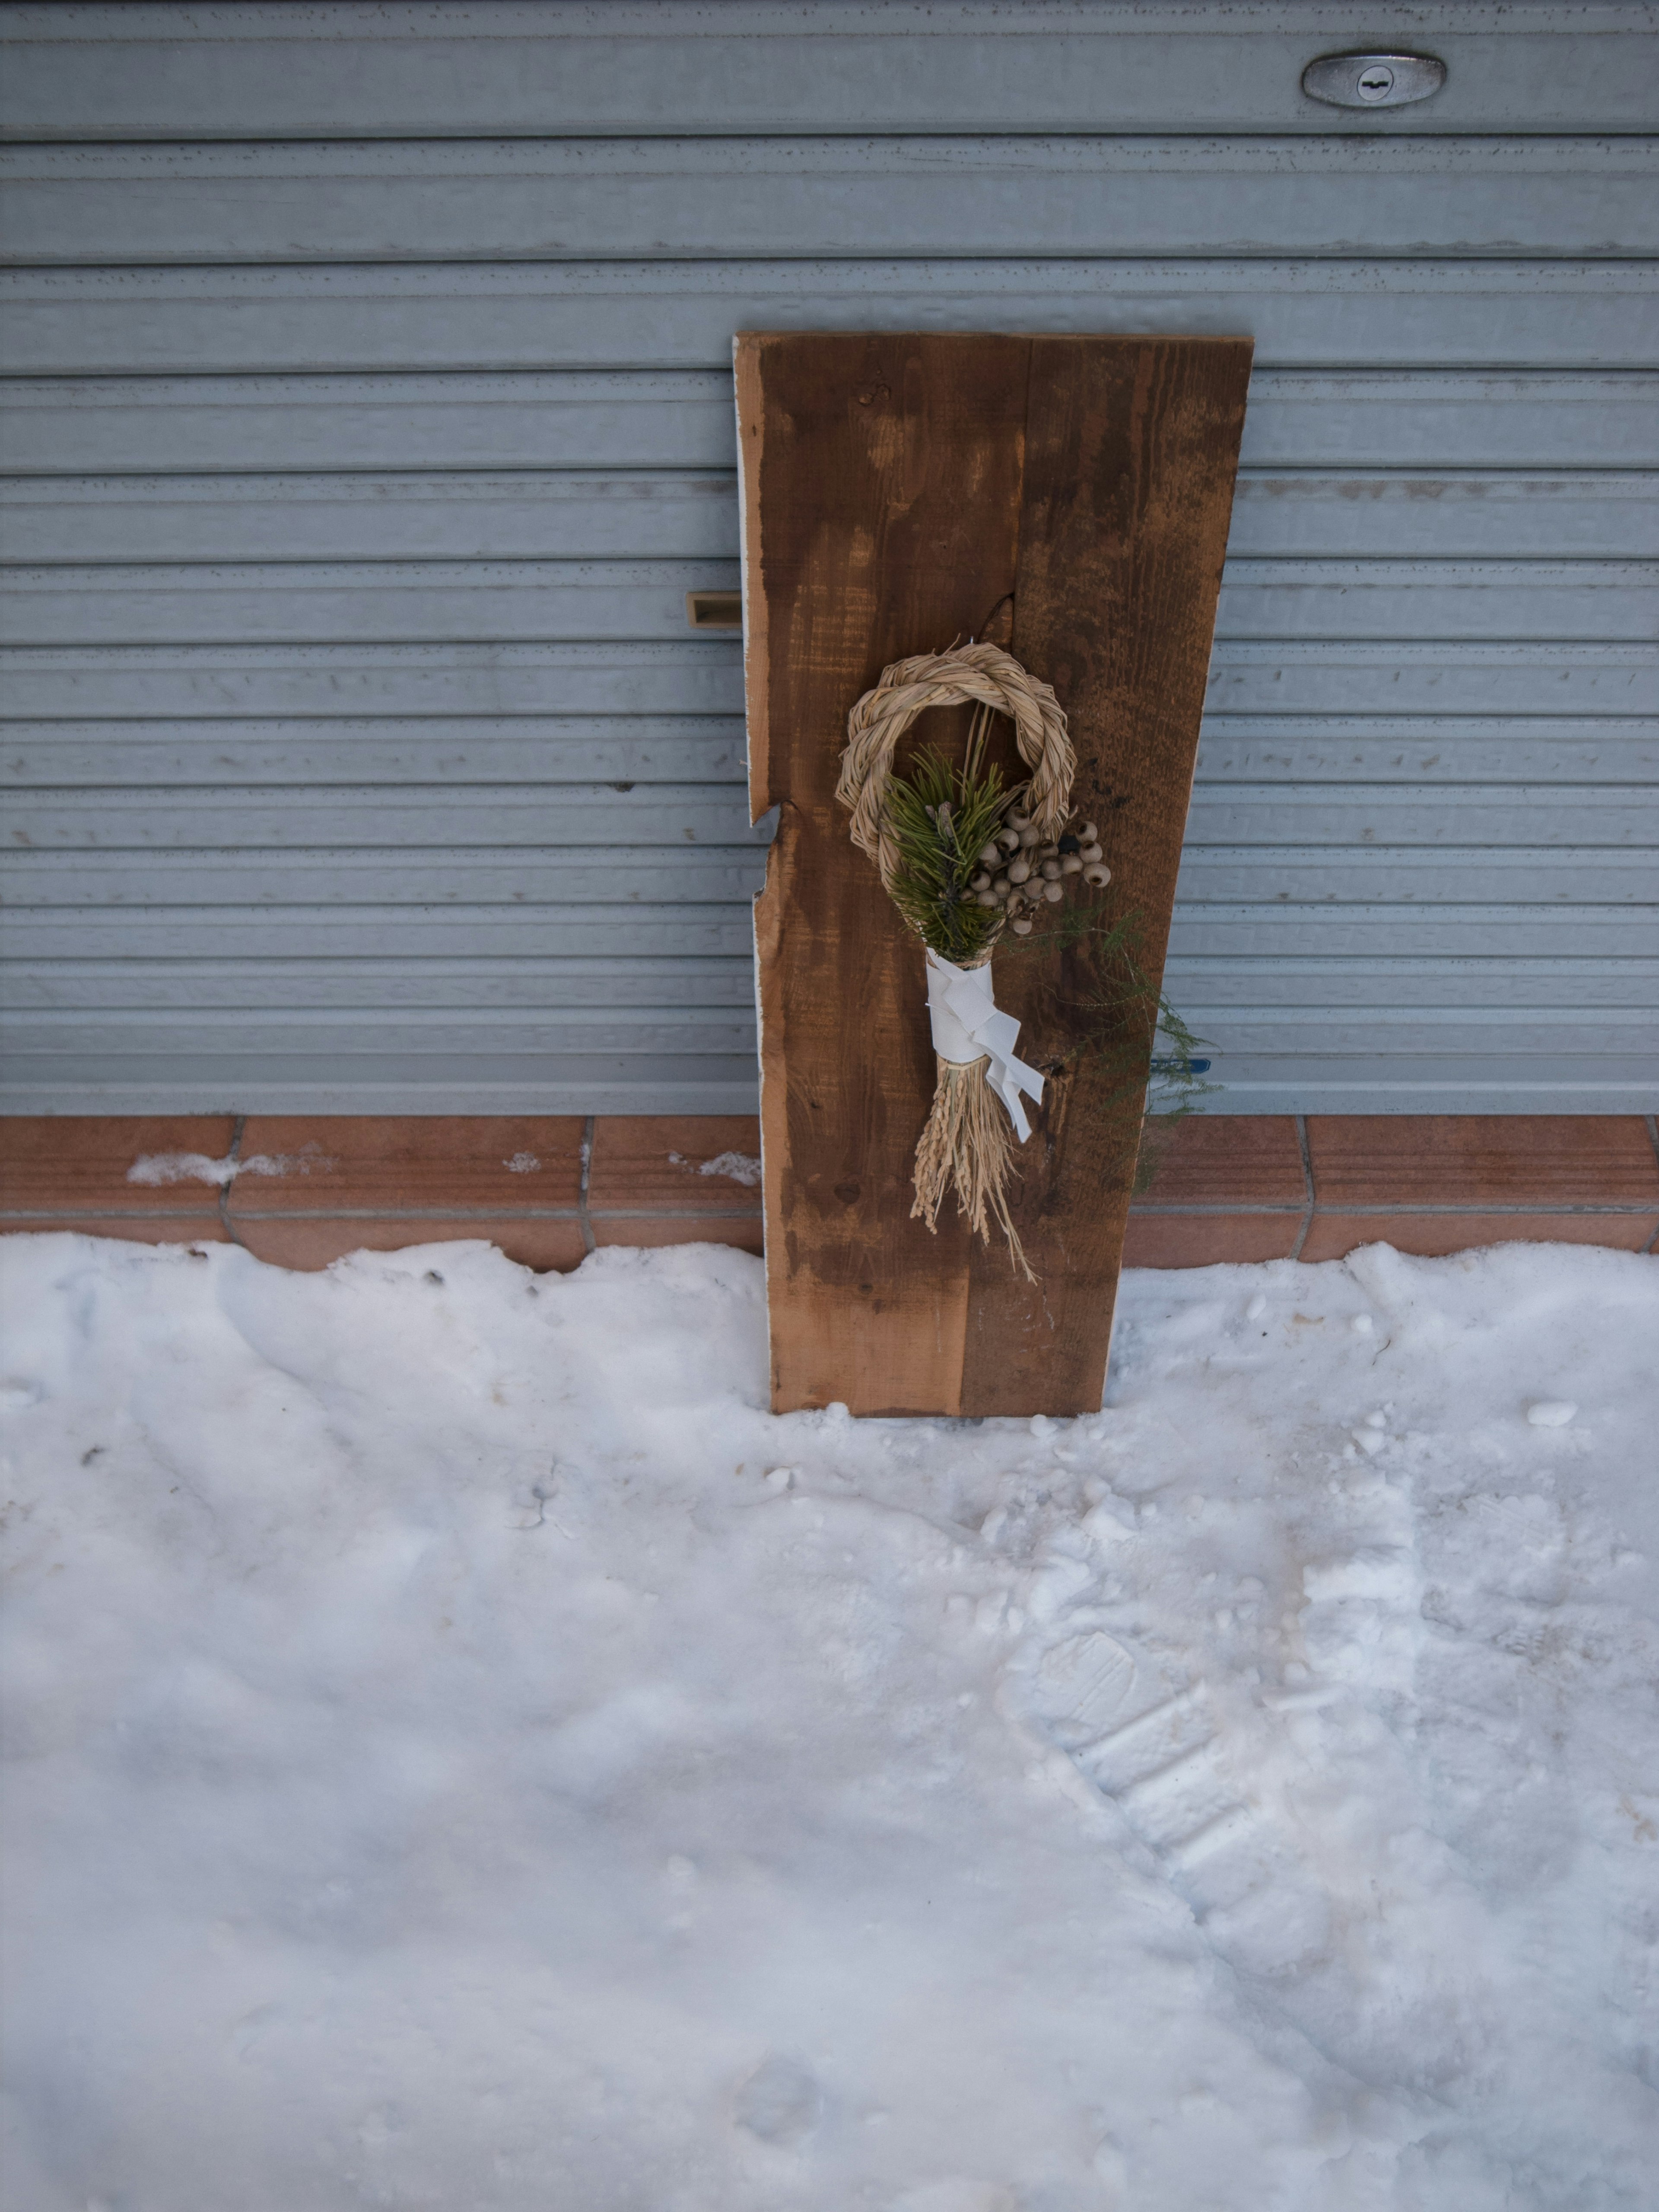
(812, 196)
(1316, 312)
(1300, 419)
(400, 70)
(860, 549)
(591, 514)
(301, 602)
(1130, 453)
(1109, 463)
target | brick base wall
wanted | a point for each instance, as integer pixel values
(549, 1189)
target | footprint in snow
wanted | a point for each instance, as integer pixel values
(780, 2102)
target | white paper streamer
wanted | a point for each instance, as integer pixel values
(967, 1026)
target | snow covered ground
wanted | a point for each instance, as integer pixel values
(466, 1752)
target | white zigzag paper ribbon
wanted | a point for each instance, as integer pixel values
(967, 1026)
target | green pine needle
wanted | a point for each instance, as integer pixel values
(937, 858)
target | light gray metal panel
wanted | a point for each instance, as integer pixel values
(1300, 419)
(1444, 679)
(621, 748)
(1387, 514)
(448, 1032)
(699, 676)
(594, 514)
(383, 986)
(1207, 987)
(663, 315)
(546, 514)
(1446, 876)
(367, 1084)
(516, 67)
(344, 1080)
(1401, 814)
(1386, 1082)
(1272, 930)
(916, 196)
(1306, 989)
(306, 602)
(652, 815)
(1423, 751)
(1517, 927)
(465, 930)
(391, 601)
(591, 515)
(704, 676)
(343, 876)
(581, 817)
(340, 876)
(1470, 1033)
(681, 418)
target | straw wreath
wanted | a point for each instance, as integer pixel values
(963, 859)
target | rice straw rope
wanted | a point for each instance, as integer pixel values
(966, 1144)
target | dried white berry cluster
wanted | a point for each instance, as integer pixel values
(1019, 872)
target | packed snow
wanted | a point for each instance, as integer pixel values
(466, 1752)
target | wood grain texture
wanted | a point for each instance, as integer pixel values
(895, 489)
(1130, 452)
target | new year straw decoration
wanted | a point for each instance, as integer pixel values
(962, 859)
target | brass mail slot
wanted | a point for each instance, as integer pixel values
(714, 609)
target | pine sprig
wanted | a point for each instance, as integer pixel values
(1133, 1034)
(940, 818)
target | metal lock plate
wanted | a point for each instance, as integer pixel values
(1373, 80)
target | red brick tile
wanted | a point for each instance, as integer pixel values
(415, 1159)
(80, 1160)
(1189, 1240)
(1228, 1159)
(1334, 1236)
(1466, 1159)
(657, 1161)
(678, 1229)
(309, 1245)
(130, 1228)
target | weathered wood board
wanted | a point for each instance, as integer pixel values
(900, 492)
